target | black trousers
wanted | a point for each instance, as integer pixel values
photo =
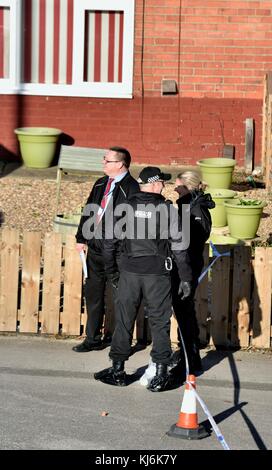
(94, 290)
(186, 315)
(155, 290)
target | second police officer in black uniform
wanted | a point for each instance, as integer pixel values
(152, 236)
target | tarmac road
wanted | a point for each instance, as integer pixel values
(50, 400)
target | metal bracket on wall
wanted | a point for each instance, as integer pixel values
(169, 87)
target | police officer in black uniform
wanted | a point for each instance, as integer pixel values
(145, 265)
(190, 189)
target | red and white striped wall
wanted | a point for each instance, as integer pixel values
(4, 42)
(48, 43)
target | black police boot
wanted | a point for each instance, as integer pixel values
(114, 375)
(87, 346)
(161, 381)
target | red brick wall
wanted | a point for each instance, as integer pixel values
(217, 51)
(162, 130)
(212, 48)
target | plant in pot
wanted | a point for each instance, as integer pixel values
(37, 145)
(218, 214)
(243, 216)
(217, 172)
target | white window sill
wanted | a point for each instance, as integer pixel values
(67, 90)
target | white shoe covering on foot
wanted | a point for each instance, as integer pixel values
(149, 373)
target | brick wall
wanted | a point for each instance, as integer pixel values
(212, 48)
(217, 51)
(162, 130)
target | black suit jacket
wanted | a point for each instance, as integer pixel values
(122, 191)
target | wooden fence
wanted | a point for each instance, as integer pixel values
(41, 292)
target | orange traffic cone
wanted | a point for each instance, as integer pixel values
(187, 426)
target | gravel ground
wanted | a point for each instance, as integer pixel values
(30, 204)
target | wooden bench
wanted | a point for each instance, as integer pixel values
(78, 160)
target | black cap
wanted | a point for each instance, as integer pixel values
(151, 174)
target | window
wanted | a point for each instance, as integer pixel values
(9, 66)
(4, 41)
(67, 47)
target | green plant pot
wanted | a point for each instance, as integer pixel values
(66, 224)
(243, 221)
(217, 239)
(217, 172)
(219, 214)
(37, 145)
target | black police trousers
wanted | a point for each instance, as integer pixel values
(186, 316)
(155, 290)
(94, 290)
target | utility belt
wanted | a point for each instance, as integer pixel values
(168, 263)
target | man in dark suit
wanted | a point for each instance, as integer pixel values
(107, 193)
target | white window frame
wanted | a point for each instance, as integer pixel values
(78, 86)
(10, 85)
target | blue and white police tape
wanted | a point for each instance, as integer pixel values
(217, 255)
(216, 429)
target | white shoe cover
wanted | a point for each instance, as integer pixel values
(149, 373)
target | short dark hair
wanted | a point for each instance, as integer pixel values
(123, 154)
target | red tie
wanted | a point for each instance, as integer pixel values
(106, 193)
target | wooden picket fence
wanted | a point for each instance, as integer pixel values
(41, 292)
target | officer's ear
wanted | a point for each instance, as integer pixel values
(120, 164)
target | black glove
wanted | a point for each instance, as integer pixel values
(185, 289)
(114, 279)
